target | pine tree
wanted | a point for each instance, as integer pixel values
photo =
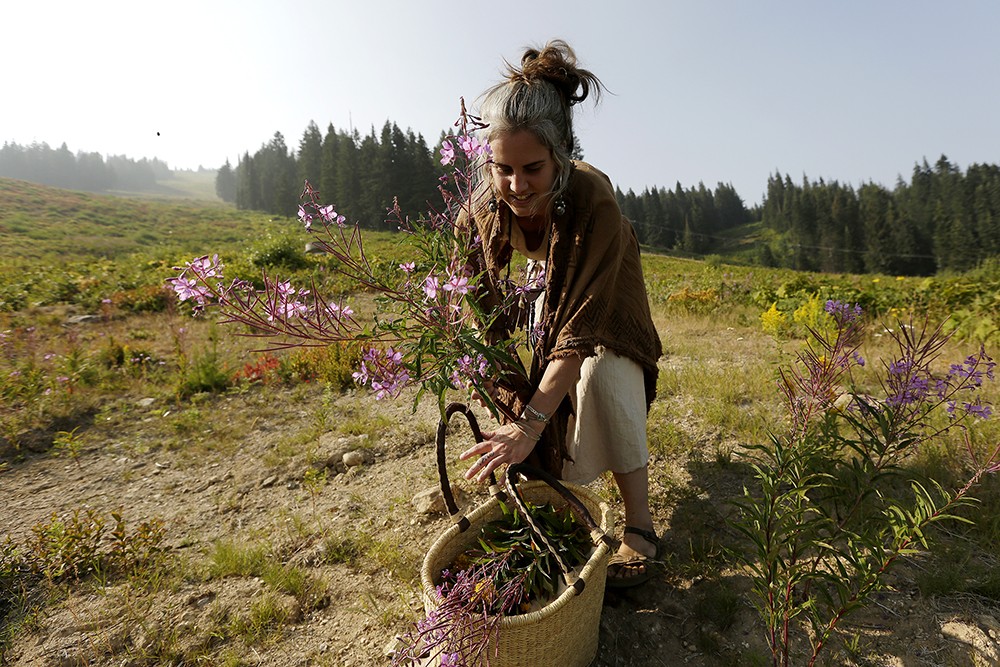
(347, 176)
(873, 208)
(247, 184)
(309, 161)
(225, 183)
(328, 167)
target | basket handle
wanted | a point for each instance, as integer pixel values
(442, 463)
(597, 535)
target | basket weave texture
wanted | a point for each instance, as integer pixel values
(564, 632)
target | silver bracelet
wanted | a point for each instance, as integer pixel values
(535, 415)
(526, 430)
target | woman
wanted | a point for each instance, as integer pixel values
(594, 359)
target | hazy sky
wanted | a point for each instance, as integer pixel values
(711, 91)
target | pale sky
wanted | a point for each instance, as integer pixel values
(703, 91)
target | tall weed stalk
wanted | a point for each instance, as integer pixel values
(833, 509)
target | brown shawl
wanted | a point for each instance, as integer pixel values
(595, 295)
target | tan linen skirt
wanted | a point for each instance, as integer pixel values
(608, 431)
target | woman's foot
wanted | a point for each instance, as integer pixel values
(633, 563)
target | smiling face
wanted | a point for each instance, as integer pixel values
(523, 172)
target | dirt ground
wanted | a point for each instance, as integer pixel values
(694, 612)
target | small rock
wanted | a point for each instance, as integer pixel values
(269, 482)
(394, 645)
(211, 481)
(82, 319)
(353, 458)
(431, 501)
(200, 599)
(145, 402)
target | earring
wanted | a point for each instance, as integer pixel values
(493, 205)
(559, 208)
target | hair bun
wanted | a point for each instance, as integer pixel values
(556, 64)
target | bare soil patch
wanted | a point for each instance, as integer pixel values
(696, 611)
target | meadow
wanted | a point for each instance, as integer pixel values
(175, 494)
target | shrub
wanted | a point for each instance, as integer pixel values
(286, 251)
(834, 510)
(207, 372)
(77, 546)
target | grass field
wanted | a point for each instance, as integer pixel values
(70, 388)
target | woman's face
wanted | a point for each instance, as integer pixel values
(523, 172)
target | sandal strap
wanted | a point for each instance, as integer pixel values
(648, 535)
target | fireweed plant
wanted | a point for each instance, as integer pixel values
(461, 625)
(427, 328)
(509, 571)
(834, 509)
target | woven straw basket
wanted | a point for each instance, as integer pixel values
(564, 632)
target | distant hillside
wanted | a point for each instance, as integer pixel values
(184, 184)
(38, 221)
(93, 172)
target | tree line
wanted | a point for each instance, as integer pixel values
(687, 220)
(361, 175)
(941, 220)
(59, 167)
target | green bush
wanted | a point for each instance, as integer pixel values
(207, 372)
(279, 250)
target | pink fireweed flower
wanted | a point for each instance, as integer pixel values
(408, 267)
(361, 375)
(384, 372)
(468, 370)
(431, 287)
(207, 267)
(473, 147)
(537, 334)
(457, 284)
(305, 216)
(330, 215)
(189, 288)
(339, 311)
(447, 152)
(284, 289)
(295, 309)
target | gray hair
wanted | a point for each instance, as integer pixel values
(536, 107)
(538, 97)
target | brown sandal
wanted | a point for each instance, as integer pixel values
(640, 565)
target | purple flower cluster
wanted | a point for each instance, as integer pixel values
(470, 145)
(194, 282)
(384, 372)
(311, 211)
(286, 303)
(910, 384)
(468, 371)
(843, 313)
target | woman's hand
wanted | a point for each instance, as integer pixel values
(508, 444)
